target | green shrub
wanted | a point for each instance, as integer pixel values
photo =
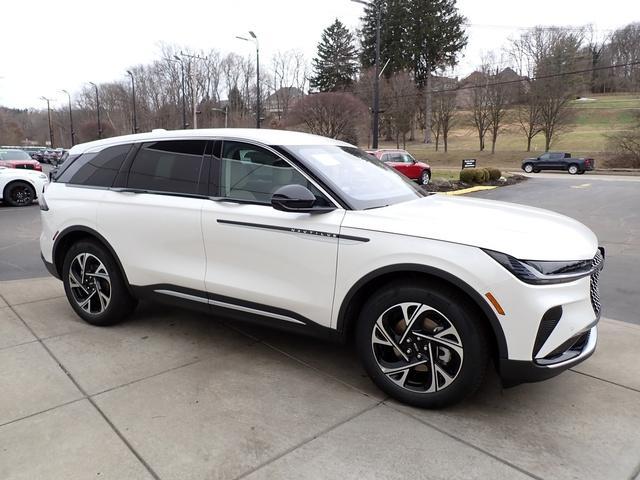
(494, 173)
(481, 175)
(467, 176)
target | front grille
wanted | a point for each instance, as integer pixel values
(595, 276)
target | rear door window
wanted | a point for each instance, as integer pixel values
(172, 166)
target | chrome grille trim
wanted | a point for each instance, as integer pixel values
(597, 265)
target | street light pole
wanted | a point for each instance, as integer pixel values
(226, 114)
(97, 109)
(48, 100)
(184, 104)
(73, 133)
(193, 87)
(376, 80)
(134, 127)
(254, 39)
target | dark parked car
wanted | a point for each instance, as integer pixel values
(558, 161)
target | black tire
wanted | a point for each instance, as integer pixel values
(120, 303)
(528, 167)
(19, 194)
(424, 178)
(573, 169)
(536, 170)
(449, 308)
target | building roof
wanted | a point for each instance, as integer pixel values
(263, 135)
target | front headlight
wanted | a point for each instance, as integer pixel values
(543, 272)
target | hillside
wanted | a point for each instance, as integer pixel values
(586, 134)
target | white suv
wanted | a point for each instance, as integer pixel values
(313, 235)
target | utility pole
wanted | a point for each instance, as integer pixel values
(134, 127)
(184, 104)
(193, 87)
(73, 133)
(254, 39)
(97, 109)
(376, 81)
(48, 100)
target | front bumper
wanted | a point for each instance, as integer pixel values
(515, 372)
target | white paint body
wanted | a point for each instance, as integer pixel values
(179, 241)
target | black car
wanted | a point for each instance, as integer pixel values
(558, 161)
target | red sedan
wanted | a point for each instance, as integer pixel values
(18, 159)
(402, 161)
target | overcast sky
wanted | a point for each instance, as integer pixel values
(48, 45)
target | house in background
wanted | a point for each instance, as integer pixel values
(280, 101)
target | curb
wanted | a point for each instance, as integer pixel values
(470, 190)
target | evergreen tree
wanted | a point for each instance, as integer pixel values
(336, 65)
(394, 37)
(420, 36)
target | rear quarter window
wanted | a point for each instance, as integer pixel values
(94, 169)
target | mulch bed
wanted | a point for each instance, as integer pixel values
(451, 185)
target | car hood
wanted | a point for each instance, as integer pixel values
(524, 232)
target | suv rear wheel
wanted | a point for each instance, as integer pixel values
(421, 344)
(94, 285)
(573, 169)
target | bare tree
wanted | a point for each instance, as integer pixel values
(289, 72)
(331, 114)
(549, 54)
(443, 116)
(478, 104)
(402, 105)
(500, 95)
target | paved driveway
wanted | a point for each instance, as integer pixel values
(175, 395)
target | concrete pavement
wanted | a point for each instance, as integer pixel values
(176, 395)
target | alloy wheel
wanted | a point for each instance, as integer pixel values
(90, 283)
(21, 195)
(424, 178)
(528, 168)
(417, 347)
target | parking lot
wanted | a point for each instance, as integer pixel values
(175, 395)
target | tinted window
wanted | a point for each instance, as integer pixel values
(545, 156)
(95, 169)
(171, 166)
(248, 172)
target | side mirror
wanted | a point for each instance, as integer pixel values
(296, 198)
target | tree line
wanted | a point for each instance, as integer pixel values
(528, 82)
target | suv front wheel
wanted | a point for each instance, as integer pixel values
(94, 285)
(422, 344)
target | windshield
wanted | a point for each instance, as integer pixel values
(14, 155)
(360, 179)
